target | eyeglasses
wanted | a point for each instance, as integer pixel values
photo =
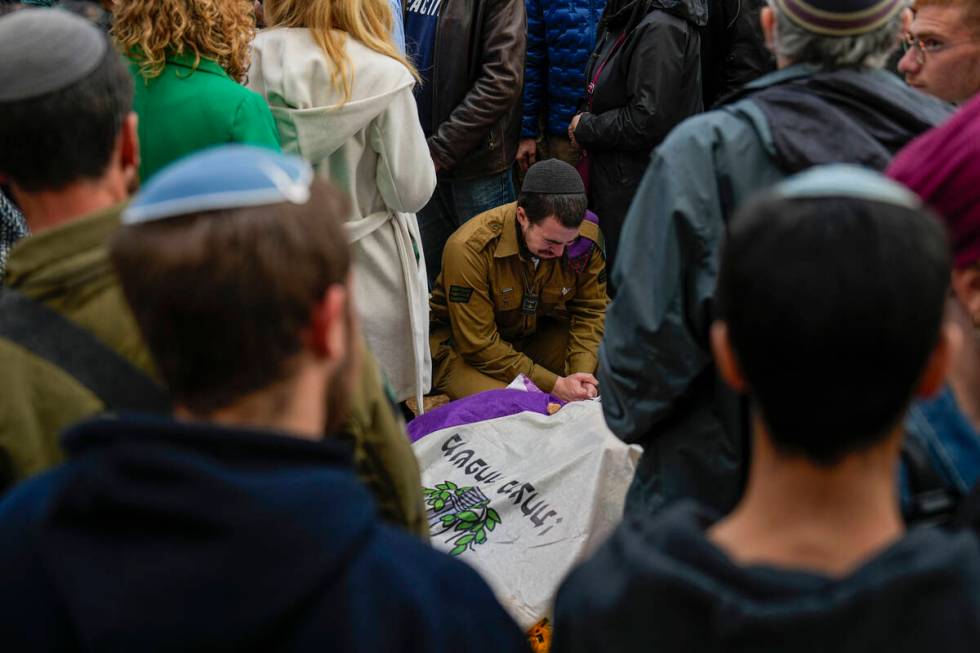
(923, 47)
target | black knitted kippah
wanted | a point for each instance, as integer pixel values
(553, 177)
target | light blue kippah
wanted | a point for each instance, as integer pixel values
(225, 177)
(846, 180)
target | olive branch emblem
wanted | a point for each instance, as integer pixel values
(463, 512)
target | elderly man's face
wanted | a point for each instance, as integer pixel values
(947, 65)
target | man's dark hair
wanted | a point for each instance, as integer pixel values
(569, 209)
(59, 138)
(222, 297)
(833, 307)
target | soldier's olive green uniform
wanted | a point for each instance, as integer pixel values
(486, 327)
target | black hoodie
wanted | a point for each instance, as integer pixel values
(662, 586)
(159, 536)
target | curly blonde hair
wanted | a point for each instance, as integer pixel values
(149, 30)
(367, 21)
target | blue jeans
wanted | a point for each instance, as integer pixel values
(453, 203)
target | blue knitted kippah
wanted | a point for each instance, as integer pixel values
(224, 177)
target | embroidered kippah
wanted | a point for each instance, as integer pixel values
(224, 177)
(840, 17)
(46, 50)
(553, 177)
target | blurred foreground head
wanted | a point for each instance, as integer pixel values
(236, 266)
(830, 307)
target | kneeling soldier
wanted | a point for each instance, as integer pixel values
(523, 290)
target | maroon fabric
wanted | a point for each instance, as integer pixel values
(943, 168)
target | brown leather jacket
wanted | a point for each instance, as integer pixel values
(476, 85)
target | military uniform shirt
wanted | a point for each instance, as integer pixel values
(478, 305)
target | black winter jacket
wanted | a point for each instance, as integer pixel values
(733, 50)
(648, 84)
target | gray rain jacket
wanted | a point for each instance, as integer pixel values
(659, 387)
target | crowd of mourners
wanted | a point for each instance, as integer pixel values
(242, 242)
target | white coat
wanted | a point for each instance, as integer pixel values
(372, 147)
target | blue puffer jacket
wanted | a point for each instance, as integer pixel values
(560, 38)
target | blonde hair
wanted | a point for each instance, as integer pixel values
(149, 30)
(368, 21)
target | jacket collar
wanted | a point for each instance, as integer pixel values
(186, 60)
(58, 246)
(783, 74)
(769, 79)
(265, 447)
(509, 244)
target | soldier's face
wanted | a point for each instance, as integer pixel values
(548, 238)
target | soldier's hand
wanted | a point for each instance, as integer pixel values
(576, 387)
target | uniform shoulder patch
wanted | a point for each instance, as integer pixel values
(460, 294)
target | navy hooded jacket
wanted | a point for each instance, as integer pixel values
(661, 585)
(161, 536)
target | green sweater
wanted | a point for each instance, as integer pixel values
(184, 110)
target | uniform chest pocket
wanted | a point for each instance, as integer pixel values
(507, 305)
(556, 296)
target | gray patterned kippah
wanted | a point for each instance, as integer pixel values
(847, 180)
(553, 177)
(46, 50)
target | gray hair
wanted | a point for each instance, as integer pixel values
(871, 50)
